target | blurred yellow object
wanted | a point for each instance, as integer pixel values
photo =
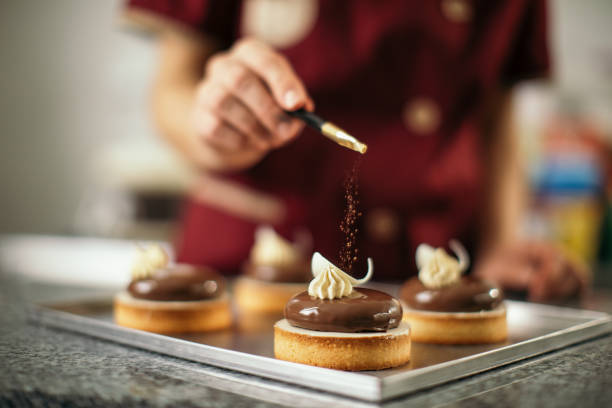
(575, 225)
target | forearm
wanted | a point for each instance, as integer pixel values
(181, 67)
(506, 184)
(171, 105)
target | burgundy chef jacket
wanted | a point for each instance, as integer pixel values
(411, 79)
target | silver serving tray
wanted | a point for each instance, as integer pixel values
(248, 347)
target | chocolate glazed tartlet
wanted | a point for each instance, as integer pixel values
(446, 308)
(467, 295)
(364, 310)
(179, 283)
(276, 270)
(176, 298)
(337, 326)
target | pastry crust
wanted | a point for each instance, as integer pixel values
(457, 328)
(342, 351)
(259, 296)
(172, 316)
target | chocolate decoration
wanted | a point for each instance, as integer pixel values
(299, 273)
(468, 295)
(179, 283)
(364, 310)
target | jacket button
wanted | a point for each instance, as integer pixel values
(457, 11)
(421, 116)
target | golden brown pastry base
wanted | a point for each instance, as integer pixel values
(171, 316)
(457, 328)
(252, 295)
(342, 351)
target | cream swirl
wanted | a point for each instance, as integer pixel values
(273, 250)
(330, 282)
(437, 268)
(148, 260)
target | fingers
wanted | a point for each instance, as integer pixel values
(240, 103)
(552, 286)
(508, 276)
(554, 277)
(217, 132)
(219, 101)
(506, 270)
(569, 284)
(540, 268)
(276, 72)
(246, 86)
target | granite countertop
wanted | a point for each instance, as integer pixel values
(42, 366)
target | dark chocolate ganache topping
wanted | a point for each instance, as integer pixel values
(468, 295)
(298, 273)
(179, 282)
(364, 310)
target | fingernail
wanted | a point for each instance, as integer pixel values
(291, 99)
(310, 105)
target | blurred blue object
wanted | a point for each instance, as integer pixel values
(576, 175)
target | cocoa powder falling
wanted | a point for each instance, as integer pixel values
(349, 251)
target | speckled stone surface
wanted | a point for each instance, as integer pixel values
(41, 366)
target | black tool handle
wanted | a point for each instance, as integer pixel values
(308, 117)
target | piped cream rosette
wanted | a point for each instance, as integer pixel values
(437, 268)
(148, 260)
(274, 250)
(330, 282)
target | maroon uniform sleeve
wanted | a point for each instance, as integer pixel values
(529, 56)
(217, 19)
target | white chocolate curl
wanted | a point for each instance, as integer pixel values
(437, 268)
(148, 260)
(330, 282)
(273, 250)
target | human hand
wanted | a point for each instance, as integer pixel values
(239, 103)
(540, 268)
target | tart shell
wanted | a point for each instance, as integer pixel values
(257, 296)
(342, 351)
(172, 316)
(457, 328)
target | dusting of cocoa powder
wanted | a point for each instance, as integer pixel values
(349, 251)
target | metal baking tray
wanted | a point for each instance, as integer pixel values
(248, 347)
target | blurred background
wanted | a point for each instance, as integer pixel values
(79, 154)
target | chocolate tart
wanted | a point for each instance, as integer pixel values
(468, 312)
(175, 299)
(361, 331)
(267, 288)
